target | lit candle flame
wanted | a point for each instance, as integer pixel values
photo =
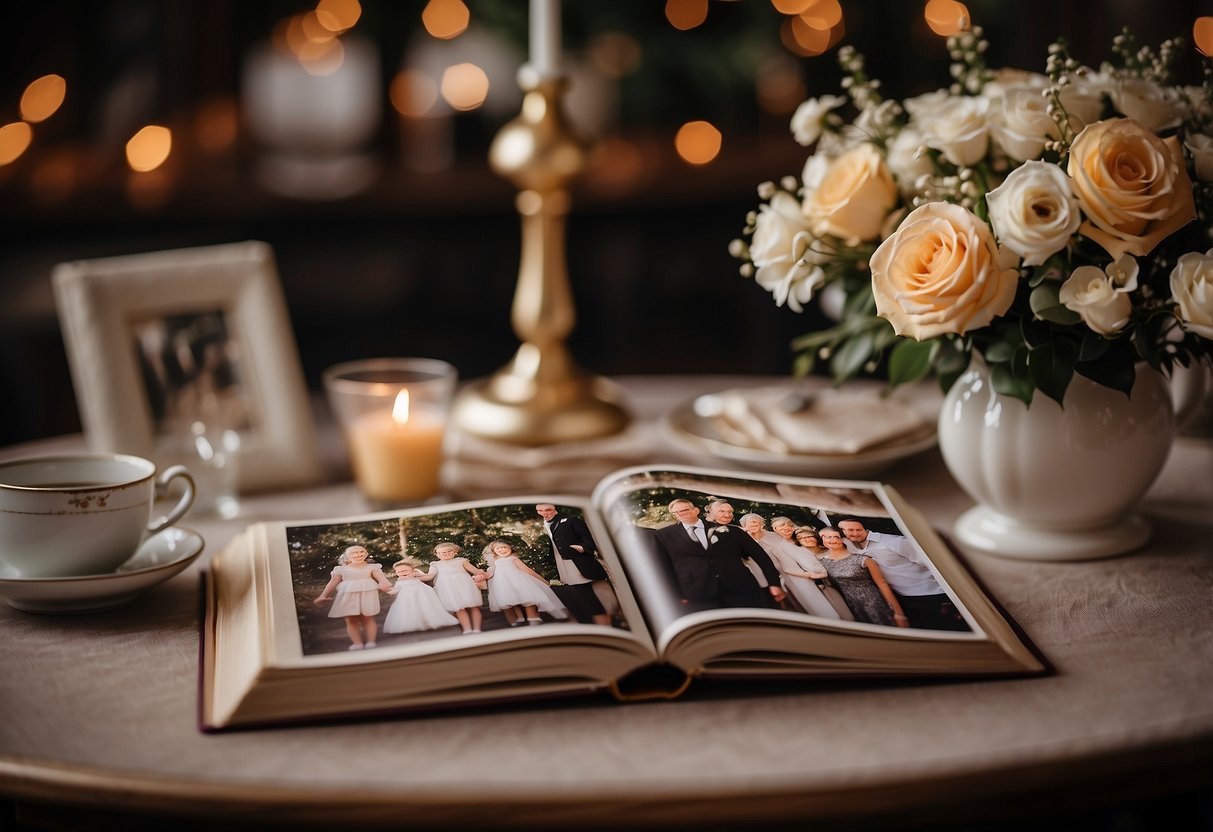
(400, 410)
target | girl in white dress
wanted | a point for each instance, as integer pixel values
(357, 582)
(455, 580)
(514, 584)
(416, 606)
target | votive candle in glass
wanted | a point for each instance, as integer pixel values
(393, 413)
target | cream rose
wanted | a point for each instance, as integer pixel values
(808, 118)
(1132, 186)
(1101, 297)
(852, 197)
(957, 128)
(1201, 148)
(904, 162)
(1192, 288)
(942, 272)
(1034, 212)
(780, 250)
(1148, 104)
(1021, 123)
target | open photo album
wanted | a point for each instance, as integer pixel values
(663, 576)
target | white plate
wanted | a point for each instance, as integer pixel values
(159, 558)
(693, 434)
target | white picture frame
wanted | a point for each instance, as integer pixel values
(105, 306)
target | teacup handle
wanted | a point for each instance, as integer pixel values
(183, 505)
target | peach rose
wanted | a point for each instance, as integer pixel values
(1132, 186)
(942, 272)
(853, 197)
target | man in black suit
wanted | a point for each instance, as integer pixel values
(576, 564)
(708, 559)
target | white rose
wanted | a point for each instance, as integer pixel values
(1148, 104)
(1007, 78)
(1101, 298)
(1034, 212)
(958, 129)
(904, 162)
(808, 118)
(1201, 148)
(1192, 288)
(1021, 124)
(1083, 101)
(920, 107)
(781, 251)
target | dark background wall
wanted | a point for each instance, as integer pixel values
(424, 263)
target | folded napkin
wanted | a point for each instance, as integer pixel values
(828, 421)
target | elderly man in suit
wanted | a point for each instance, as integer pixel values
(707, 559)
(577, 565)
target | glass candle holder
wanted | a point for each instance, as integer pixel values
(393, 413)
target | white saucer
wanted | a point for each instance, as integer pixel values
(159, 558)
(694, 434)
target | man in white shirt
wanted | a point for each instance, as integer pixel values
(921, 597)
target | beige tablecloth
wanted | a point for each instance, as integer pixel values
(99, 710)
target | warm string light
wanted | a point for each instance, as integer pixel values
(445, 19)
(698, 142)
(149, 148)
(1202, 35)
(946, 17)
(810, 27)
(686, 14)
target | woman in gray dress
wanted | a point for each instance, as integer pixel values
(861, 582)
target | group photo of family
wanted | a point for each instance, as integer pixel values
(362, 585)
(834, 553)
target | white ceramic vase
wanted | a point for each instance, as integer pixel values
(1051, 482)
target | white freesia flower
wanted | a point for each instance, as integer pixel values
(1021, 123)
(1101, 298)
(1201, 148)
(1148, 104)
(1192, 288)
(1034, 212)
(808, 118)
(781, 251)
(958, 129)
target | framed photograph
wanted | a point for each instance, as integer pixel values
(193, 339)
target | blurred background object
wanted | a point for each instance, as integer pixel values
(354, 139)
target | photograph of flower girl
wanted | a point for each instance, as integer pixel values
(401, 580)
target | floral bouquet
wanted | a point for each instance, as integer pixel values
(1051, 224)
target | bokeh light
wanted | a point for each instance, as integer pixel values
(413, 93)
(338, 15)
(1202, 35)
(946, 17)
(697, 142)
(445, 19)
(464, 86)
(823, 15)
(780, 85)
(686, 14)
(217, 124)
(792, 6)
(615, 54)
(14, 139)
(42, 98)
(149, 148)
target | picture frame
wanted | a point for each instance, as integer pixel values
(152, 338)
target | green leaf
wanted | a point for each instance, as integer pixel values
(911, 360)
(1008, 383)
(851, 356)
(1093, 346)
(1035, 333)
(1118, 375)
(999, 352)
(1052, 366)
(1047, 306)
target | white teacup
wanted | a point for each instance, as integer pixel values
(81, 514)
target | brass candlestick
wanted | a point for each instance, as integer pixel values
(541, 396)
